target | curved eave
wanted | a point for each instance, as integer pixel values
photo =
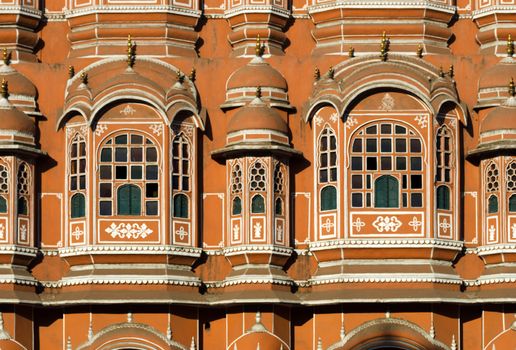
(231, 104)
(256, 148)
(491, 149)
(82, 108)
(184, 105)
(21, 149)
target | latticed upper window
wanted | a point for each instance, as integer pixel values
(180, 163)
(258, 177)
(77, 164)
(327, 156)
(386, 148)
(23, 189)
(511, 186)
(4, 188)
(279, 179)
(492, 178)
(236, 179)
(443, 149)
(129, 158)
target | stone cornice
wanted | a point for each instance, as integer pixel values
(491, 10)
(381, 5)
(386, 243)
(118, 249)
(274, 10)
(131, 9)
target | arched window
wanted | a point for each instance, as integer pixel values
(4, 188)
(492, 206)
(327, 156)
(23, 208)
(237, 206)
(78, 206)
(512, 203)
(329, 198)
(386, 192)
(180, 163)
(181, 206)
(78, 163)
(278, 207)
(128, 158)
(258, 204)
(129, 200)
(443, 155)
(386, 148)
(443, 197)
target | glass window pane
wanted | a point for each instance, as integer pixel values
(120, 154)
(416, 163)
(386, 129)
(492, 206)
(105, 208)
(151, 154)
(400, 130)
(324, 143)
(356, 181)
(386, 163)
(371, 163)
(323, 175)
(105, 172)
(278, 207)
(74, 150)
(73, 167)
(401, 145)
(136, 154)
(151, 190)
(357, 145)
(371, 130)
(186, 184)
(121, 172)
(151, 172)
(512, 203)
(447, 175)
(151, 207)
(371, 145)
(324, 160)
(356, 163)
(3, 205)
(73, 183)
(404, 200)
(121, 140)
(333, 174)
(82, 165)
(136, 139)
(82, 182)
(416, 181)
(357, 200)
(106, 155)
(401, 163)
(105, 190)
(257, 205)
(136, 172)
(416, 200)
(385, 145)
(237, 206)
(415, 146)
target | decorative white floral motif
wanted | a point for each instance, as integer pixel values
(422, 121)
(351, 121)
(257, 230)
(2, 231)
(23, 232)
(387, 223)
(181, 233)
(318, 120)
(128, 230)
(452, 123)
(236, 232)
(279, 233)
(77, 233)
(84, 129)
(387, 103)
(444, 225)
(358, 224)
(513, 231)
(328, 224)
(156, 128)
(100, 129)
(187, 129)
(492, 233)
(334, 117)
(128, 110)
(415, 223)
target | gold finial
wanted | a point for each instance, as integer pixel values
(384, 47)
(419, 51)
(4, 89)
(510, 46)
(351, 52)
(259, 48)
(130, 52)
(317, 74)
(71, 72)
(512, 90)
(331, 73)
(193, 74)
(84, 78)
(6, 56)
(441, 72)
(180, 77)
(258, 93)
(451, 71)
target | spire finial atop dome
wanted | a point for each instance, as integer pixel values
(6, 57)
(419, 51)
(384, 46)
(71, 72)
(259, 47)
(512, 90)
(510, 46)
(258, 92)
(130, 52)
(4, 91)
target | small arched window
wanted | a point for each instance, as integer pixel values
(77, 163)
(492, 206)
(258, 204)
(386, 192)
(512, 203)
(327, 156)
(78, 206)
(237, 206)
(443, 197)
(329, 198)
(278, 207)
(3, 205)
(181, 163)
(129, 200)
(23, 208)
(180, 206)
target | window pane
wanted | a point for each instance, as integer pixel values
(386, 129)
(151, 154)
(400, 130)
(371, 130)
(333, 174)
(492, 206)
(73, 167)
(415, 146)
(512, 203)
(323, 175)
(404, 200)
(151, 190)
(82, 182)
(371, 163)
(120, 154)
(136, 139)
(3, 205)
(416, 181)
(186, 184)
(324, 159)
(136, 154)
(257, 205)
(443, 197)
(73, 183)
(237, 206)
(106, 155)
(105, 190)
(416, 163)
(356, 163)
(357, 200)
(324, 143)
(404, 182)
(74, 150)
(121, 172)
(121, 140)
(416, 200)
(401, 145)
(371, 145)
(356, 181)
(329, 198)
(105, 172)
(385, 145)
(151, 207)
(278, 207)
(357, 145)
(82, 165)
(386, 163)
(136, 172)
(151, 172)
(401, 163)
(105, 208)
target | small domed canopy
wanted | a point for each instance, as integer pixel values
(497, 131)
(258, 337)
(22, 91)
(241, 84)
(257, 116)
(492, 86)
(148, 81)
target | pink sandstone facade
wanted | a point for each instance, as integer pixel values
(258, 174)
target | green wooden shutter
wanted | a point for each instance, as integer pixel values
(278, 207)
(22, 206)
(258, 205)
(492, 206)
(386, 192)
(443, 197)
(3, 205)
(135, 200)
(78, 206)
(181, 206)
(129, 200)
(329, 198)
(237, 206)
(512, 203)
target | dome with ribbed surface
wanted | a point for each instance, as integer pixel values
(18, 83)
(257, 115)
(256, 73)
(14, 120)
(501, 118)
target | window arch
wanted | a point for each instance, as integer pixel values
(129, 200)
(24, 183)
(180, 206)
(4, 188)
(443, 155)
(492, 186)
(129, 158)
(258, 177)
(327, 156)
(77, 163)
(386, 192)
(443, 197)
(78, 206)
(258, 204)
(328, 198)
(236, 187)
(390, 148)
(181, 163)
